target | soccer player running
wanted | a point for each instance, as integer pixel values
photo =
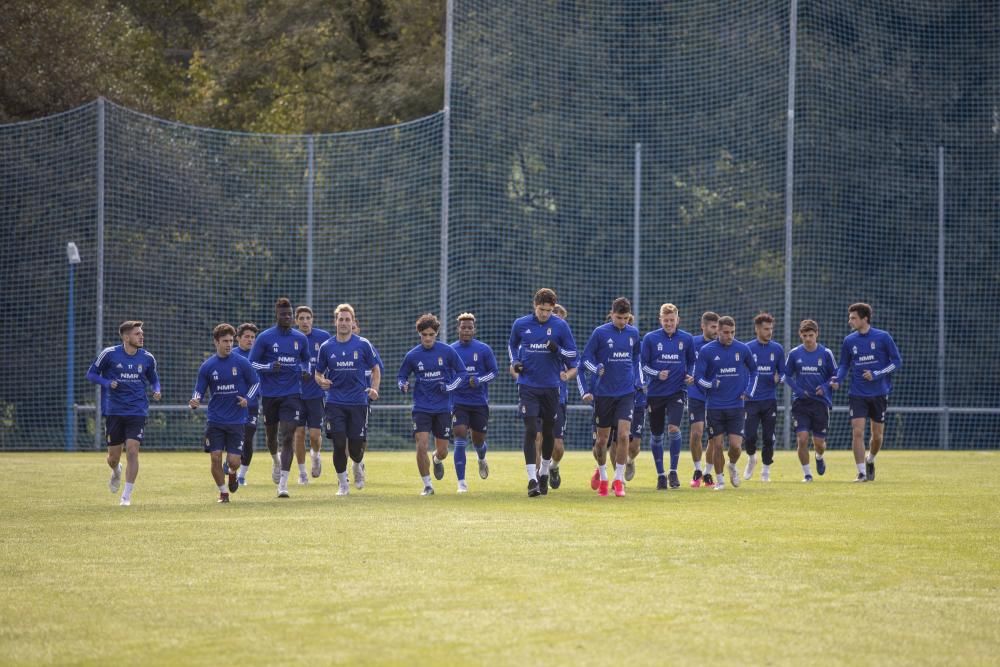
(762, 411)
(870, 356)
(726, 372)
(696, 405)
(233, 384)
(539, 346)
(438, 371)
(358, 467)
(342, 367)
(245, 336)
(668, 357)
(311, 417)
(471, 410)
(810, 372)
(124, 371)
(612, 354)
(280, 355)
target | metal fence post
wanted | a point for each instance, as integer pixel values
(446, 164)
(789, 186)
(99, 318)
(310, 219)
(942, 402)
(636, 233)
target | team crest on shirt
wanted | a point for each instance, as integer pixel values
(611, 342)
(680, 345)
(772, 356)
(296, 344)
(659, 347)
(548, 332)
(475, 356)
(317, 347)
(355, 354)
(440, 361)
(420, 365)
(820, 362)
(215, 375)
(274, 348)
(140, 365)
(873, 346)
(854, 349)
(235, 372)
(737, 356)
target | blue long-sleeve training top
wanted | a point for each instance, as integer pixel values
(618, 351)
(132, 372)
(480, 363)
(725, 373)
(290, 349)
(770, 360)
(255, 402)
(694, 391)
(529, 344)
(227, 379)
(805, 371)
(674, 353)
(316, 339)
(348, 366)
(874, 351)
(437, 371)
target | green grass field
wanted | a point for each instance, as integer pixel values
(901, 571)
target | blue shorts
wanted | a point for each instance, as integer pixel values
(559, 428)
(253, 412)
(538, 402)
(609, 410)
(224, 438)
(312, 413)
(810, 416)
(868, 407)
(725, 421)
(438, 423)
(120, 428)
(351, 420)
(665, 410)
(638, 420)
(281, 409)
(696, 410)
(476, 417)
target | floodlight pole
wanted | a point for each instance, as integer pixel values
(789, 186)
(73, 258)
(636, 231)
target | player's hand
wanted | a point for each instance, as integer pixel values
(242, 401)
(276, 366)
(323, 382)
(819, 391)
(777, 378)
(663, 375)
(564, 376)
(517, 368)
(473, 381)
(688, 379)
(372, 394)
(404, 387)
(868, 376)
(835, 386)
(194, 403)
(588, 398)
(306, 375)
(114, 384)
(442, 387)
(156, 395)
(552, 345)
(600, 370)
(744, 397)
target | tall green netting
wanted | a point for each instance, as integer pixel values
(600, 148)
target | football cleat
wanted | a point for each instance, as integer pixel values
(619, 488)
(751, 464)
(462, 486)
(696, 479)
(317, 465)
(359, 475)
(672, 480)
(595, 479)
(554, 479)
(115, 482)
(125, 502)
(428, 491)
(602, 488)
(862, 477)
(870, 470)
(276, 471)
(223, 498)
(820, 466)
(282, 492)
(438, 467)
(807, 479)
(720, 485)
(303, 478)
(343, 488)
(765, 475)
(533, 490)
(543, 484)
(234, 483)
(484, 469)
(707, 481)
(629, 470)
(734, 475)
(242, 481)
(661, 483)
(225, 467)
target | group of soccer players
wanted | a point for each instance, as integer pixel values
(304, 378)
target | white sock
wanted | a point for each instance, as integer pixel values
(546, 466)
(284, 479)
(314, 453)
(434, 458)
(631, 460)
(532, 474)
(807, 469)
(720, 478)
(620, 471)
(427, 479)
(819, 457)
(603, 471)
(870, 458)
(243, 471)
(709, 468)
(274, 457)
(302, 468)
(697, 465)
(861, 468)
(554, 466)
(753, 458)
(766, 468)
(223, 489)
(128, 490)
(342, 477)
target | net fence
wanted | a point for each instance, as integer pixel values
(598, 148)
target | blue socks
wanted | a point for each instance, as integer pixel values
(460, 458)
(481, 450)
(656, 444)
(675, 449)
